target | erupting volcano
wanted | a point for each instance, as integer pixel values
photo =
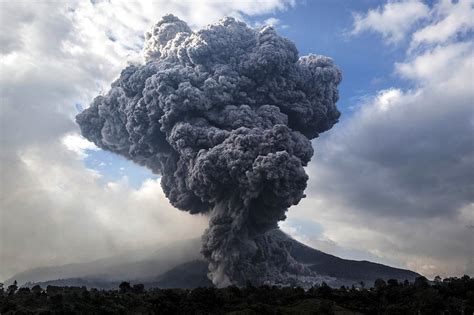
(226, 116)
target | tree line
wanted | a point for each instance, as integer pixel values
(442, 296)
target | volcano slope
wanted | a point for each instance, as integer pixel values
(333, 270)
(190, 270)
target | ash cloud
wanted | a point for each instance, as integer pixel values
(225, 115)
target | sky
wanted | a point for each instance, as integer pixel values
(392, 182)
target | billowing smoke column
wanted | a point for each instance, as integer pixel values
(225, 115)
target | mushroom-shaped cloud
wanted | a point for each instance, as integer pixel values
(225, 115)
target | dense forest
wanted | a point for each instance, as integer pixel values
(448, 296)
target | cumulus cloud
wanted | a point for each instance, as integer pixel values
(397, 178)
(406, 166)
(448, 65)
(449, 18)
(53, 209)
(272, 21)
(76, 143)
(393, 20)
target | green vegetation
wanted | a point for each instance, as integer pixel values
(448, 296)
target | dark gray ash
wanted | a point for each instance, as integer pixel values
(225, 115)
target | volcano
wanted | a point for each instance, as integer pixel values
(180, 265)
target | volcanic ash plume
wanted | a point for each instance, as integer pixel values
(225, 115)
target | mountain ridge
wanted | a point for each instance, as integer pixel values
(181, 265)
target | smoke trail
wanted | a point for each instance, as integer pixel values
(225, 115)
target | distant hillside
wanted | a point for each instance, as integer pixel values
(181, 266)
(132, 265)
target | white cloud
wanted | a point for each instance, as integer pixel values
(78, 144)
(270, 21)
(54, 55)
(393, 21)
(387, 98)
(441, 64)
(449, 19)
